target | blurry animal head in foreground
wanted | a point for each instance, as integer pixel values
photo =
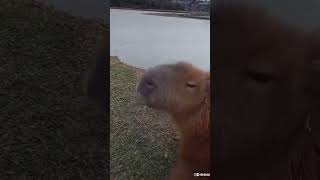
(262, 84)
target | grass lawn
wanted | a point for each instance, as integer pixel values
(48, 128)
(142, 145)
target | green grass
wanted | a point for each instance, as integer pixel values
(48, 128)
(142, 145)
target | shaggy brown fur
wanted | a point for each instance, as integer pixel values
(183, 91)
(263, 92)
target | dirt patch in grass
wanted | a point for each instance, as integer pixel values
(142, 144)
(48, 128)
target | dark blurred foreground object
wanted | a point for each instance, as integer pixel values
(48, 129)
(95, 86)
(266, 90)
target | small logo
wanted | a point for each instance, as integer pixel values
(201, 174)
